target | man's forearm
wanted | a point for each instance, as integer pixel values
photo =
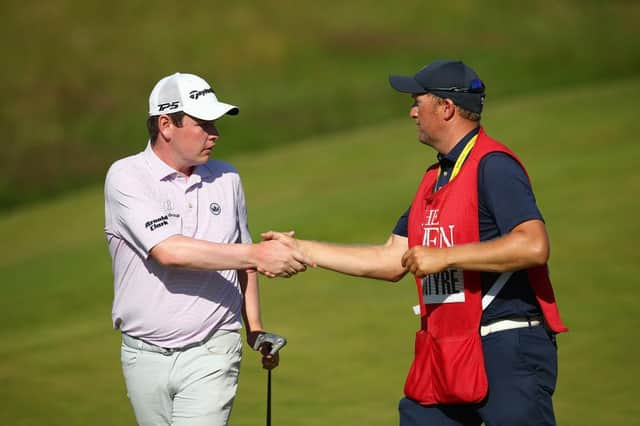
(184, 252)
(372, 261)
(514, 251)
(269, 257)
(251, 304)
(525, 246)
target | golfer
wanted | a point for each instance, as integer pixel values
(476, 242)
(183, 263)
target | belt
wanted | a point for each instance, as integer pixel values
(136, 343)
(509, 324)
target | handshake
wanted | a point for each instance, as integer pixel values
(280, 255)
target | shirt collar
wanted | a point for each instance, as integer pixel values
(452, 156)
(159, 168)
(163, 171)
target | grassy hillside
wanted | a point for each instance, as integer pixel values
(77, 74)
(350, 340)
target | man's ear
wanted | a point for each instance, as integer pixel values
(449, 109)
(165, 127)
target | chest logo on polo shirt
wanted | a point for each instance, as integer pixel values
(168, 207)
(215, 209)
(446, 286)
(156, 223)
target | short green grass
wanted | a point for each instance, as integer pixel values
(350, 340)
(78, 74)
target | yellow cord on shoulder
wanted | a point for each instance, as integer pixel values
(463, 156)
(460, 161)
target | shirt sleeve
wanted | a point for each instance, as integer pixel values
(505, 192)
(133, 215)
(402, 225)
(243, 223)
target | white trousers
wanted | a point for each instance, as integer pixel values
(195, 387)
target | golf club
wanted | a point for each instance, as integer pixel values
(275, 343)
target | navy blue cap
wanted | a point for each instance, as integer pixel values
(446, 79)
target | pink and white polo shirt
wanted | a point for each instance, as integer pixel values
(146, 202)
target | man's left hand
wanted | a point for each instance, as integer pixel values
(269, 362)
(422, 261)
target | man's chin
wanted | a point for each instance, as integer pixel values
(424, 141)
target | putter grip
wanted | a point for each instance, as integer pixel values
(276, 342)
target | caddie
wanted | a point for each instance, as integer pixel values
(477, 244)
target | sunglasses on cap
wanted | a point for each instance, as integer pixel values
(476, 86)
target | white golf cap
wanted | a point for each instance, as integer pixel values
(190, 94)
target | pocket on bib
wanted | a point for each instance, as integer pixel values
(447, 370)
(458, 369)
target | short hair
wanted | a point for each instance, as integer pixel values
(152, 124)
(469, 115)
(464, 113)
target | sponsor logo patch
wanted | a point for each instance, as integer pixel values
(168, 105)
(195, 94)
(215, 209)
(168, 207)
(154, 224)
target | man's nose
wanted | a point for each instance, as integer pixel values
(212, 130)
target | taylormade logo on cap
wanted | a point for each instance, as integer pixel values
(194, 94)
(190, 94)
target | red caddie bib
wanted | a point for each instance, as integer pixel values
(448, 366)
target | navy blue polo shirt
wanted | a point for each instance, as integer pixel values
(505, 199)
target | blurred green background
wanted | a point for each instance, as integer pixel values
(324, 147)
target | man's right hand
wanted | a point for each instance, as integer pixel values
(287, 238)
(279, 257)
